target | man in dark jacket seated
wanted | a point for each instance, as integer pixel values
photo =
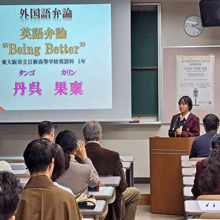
(108, 163)
(202, 144)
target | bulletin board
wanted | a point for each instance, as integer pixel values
(169, 95)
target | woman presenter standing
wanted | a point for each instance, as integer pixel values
(184, 124)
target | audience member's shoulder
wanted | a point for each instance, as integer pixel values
(63, 187)
(63, 194)
(202, 163)
(197, 139)
(111, 152)
(194, 116)
(201, 138)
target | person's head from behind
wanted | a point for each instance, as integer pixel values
(68, 142)
(215, 142)
(59, 163)
(46, 130)
(185, 104)
(92, 131)
(39, 157)
(10, 194)
(211, 123)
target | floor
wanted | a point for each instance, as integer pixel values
(144, 212)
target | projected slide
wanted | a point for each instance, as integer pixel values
(55, 57)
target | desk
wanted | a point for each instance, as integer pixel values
(188, 163)
(18, 166)
(188, 180)
(99, 210)
(187, 193)
(192, 207)
(20, 171)
(126, 165)
(130, 179)
(24, 181)
(127, 158)
(188, 171)
(185, 158)
(13, 159)
(110, 180)
(105, 193)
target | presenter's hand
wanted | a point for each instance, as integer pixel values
(179, 131)
(81, 150)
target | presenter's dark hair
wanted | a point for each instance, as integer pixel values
(45, 128)
(10, 194)
(59, 163)
(211, 122)
(187, 100)
(209, 179)
(68, 142)
(39, 154)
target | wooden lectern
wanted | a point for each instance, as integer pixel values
(166, 175)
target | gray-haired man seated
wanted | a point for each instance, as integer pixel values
(108, 162)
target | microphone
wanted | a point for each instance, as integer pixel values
(175, 124)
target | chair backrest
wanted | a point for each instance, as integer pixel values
(208, 197)
(210, 216)
(197, 158)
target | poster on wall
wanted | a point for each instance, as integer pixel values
(195, 76)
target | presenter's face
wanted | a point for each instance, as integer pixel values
(183, 107)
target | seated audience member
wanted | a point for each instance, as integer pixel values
(108, 162)
(209, 181)
(59, 168)
(78, 177)
(41, 199)
(5, 166)
(10, 194)
(207, 165)
(202, 144)
(46, 130)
